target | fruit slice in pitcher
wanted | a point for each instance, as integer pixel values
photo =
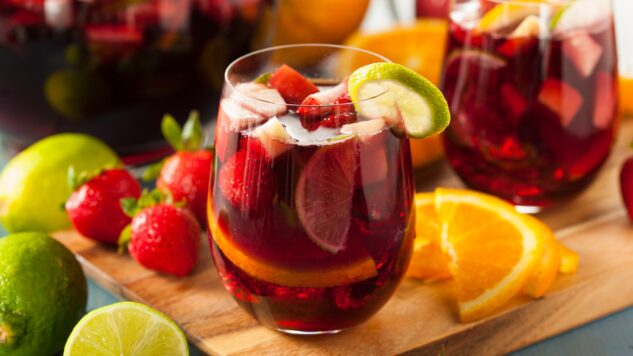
(324, 194)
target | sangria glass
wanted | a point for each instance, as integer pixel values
(532, 88)
(311, 230)
(112, 69)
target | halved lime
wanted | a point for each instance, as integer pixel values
(126, 329)
(324, 194)
(399, 95)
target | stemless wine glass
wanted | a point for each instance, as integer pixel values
(532, 88)
(310, 231)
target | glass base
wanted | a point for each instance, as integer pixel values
(309, 333)
(528, 209)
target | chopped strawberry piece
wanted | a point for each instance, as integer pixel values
(246, 179)
(114, 34)
(605, 105)
(292, 86)
(583, 51)
(561, 98)
(343, 114)
(513, 46)
(516, 101)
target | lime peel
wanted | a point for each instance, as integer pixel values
(397, 94)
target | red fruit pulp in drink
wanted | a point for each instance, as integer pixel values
(533, 119)
(266, 252)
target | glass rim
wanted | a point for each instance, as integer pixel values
(300, 45)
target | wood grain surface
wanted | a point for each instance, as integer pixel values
(419, 319)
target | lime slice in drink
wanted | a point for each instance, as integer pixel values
(324, 194)
(400, 96)
(126, 328)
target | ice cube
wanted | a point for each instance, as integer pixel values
(561, 98)
(583, 51)
(605, 103)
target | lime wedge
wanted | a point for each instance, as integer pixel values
(123, 329)
(399, 95)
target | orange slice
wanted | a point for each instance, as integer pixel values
(493, 250)
(350, 273)
(428, 262)
(569, 260)
(545, 274)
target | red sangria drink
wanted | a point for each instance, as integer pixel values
(113, 68)
(532, 88)
(310, 208)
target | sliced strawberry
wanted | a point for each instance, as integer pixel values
(605, 105)
(583, 52)
(315, 107)
(292, 86)
(246, 179)
(561, 98)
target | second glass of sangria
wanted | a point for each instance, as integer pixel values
(532, 88)
(311, 210)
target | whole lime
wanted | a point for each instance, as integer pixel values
(34, 184)
(43, 294)
(76, 94)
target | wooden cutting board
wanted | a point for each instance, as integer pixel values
(419, 319)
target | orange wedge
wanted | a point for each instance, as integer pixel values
(569, 260)
(626, 94)
(493, 250)
(350, 273)
(428, 262)
(545, 274)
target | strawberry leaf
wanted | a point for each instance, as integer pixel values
(129, 206)
(192, 134)
(172, 132)
(124, 239)
(152, 171)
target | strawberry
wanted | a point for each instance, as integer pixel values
(343, 114)
(292, 86)
(186, 173)
(94, 207)
(626, 185)
(330, 108)
(162, 236)
(246, 179)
